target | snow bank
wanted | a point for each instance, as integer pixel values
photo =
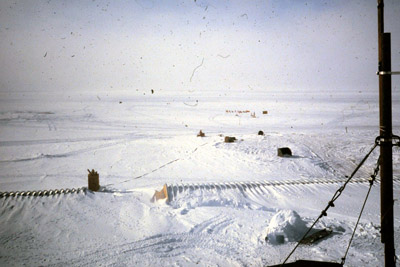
(286, 225)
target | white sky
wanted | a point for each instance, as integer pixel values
(263, 45)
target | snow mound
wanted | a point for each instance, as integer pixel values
(286, 225)
(213, 198)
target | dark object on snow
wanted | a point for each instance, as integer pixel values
(201, 134)
(316, 236)
(265, 112)
(93, 180)
(284, 152)
(260, 133)
(279, 239)
(305, 263)
(230, 139)
(152, 91)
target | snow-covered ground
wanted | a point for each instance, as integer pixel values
(139, 141)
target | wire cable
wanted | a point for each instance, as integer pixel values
(371, 183)
(331, 202)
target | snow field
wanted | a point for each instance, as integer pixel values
(48, 141)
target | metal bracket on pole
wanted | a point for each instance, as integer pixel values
(388, 73)
(394, 139)
(397, 140)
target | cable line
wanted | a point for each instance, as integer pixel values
(371, 183)
(331, 202)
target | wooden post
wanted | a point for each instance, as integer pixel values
(93, 181)
(385, 126)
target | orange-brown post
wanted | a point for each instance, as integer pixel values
(162, 194)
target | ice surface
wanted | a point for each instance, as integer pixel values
(123, 87)
(49, 141)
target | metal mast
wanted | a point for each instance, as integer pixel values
(385, 124)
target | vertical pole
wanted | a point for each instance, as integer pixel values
(385, 123)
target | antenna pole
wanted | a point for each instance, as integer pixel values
(385, 123)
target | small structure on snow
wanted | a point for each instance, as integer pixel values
(162, 194)
(201, 134)
(284, 152)
(93, 180)
(230, 139)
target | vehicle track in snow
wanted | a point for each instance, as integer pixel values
(64, 155)
(213, 225)
(167, 247)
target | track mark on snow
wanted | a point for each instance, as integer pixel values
(213, 225)
(60, 141)
(63, 155)
(158, 246)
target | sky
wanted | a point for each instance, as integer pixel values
(58, 45)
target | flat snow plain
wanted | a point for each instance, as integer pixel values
(139, 141)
